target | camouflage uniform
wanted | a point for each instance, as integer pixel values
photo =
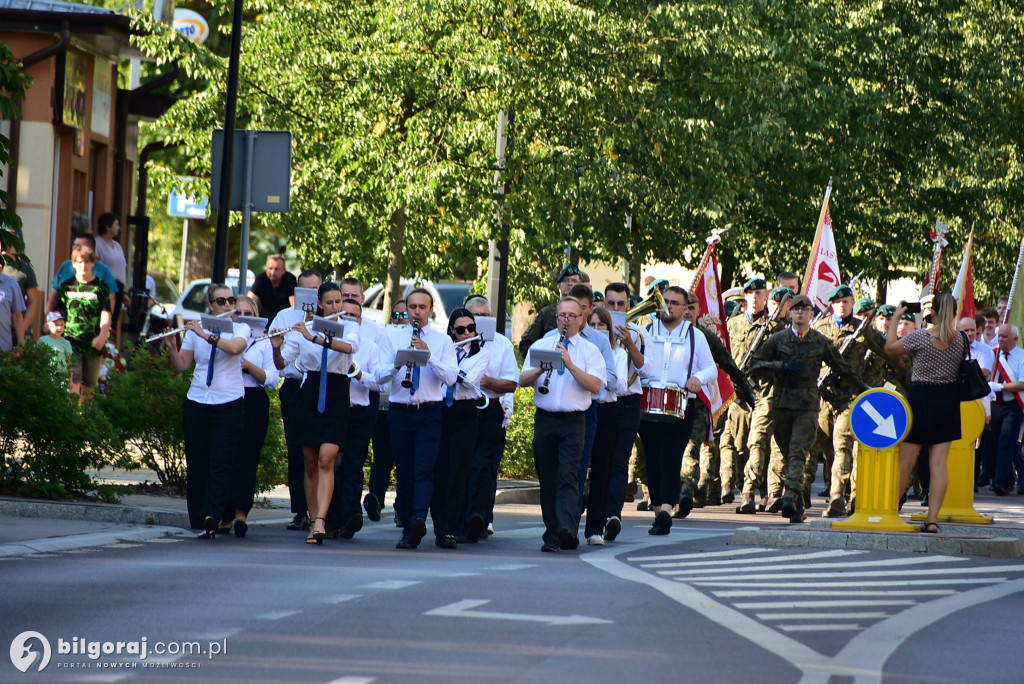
(795, 401)
(545, 321)
(864, 355)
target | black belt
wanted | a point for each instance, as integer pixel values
(561, 413)
(416, 407)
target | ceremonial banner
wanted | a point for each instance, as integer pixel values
(1014, 314)
(938, 238)
(963, 290)
(824, 270)
(719, 393)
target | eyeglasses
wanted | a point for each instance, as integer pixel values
(462, 329)
(396, 315)
(221, 301)
(568, 316)
(800, 308)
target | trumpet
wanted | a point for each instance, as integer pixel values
(308, 323)
(543, 389)
(407, 382)
(168, 333)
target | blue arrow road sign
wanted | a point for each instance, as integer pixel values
(880, 418)
(186, 206)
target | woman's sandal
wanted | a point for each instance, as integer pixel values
(930, 528)
(209, 528)
(316, 536)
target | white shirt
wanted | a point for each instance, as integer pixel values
(982, 353)
(643, 372)
(306, 356)
(371, 330)
(669, 355)
(471, 369)
(502, 363)
(565, 394)
(609, 394)
(261, 354)
(226, 384)
(1015, 365)
(112, 255)
(441, 369)
(366, 357)
(599, 338)
(284, 320)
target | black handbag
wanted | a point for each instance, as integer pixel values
(971, 383)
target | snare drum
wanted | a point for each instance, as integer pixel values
(663, 402)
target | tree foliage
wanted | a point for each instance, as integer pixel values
(13, 83)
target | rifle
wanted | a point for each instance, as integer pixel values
(827, 382)
(749, 356)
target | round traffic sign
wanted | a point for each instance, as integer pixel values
(880, 418)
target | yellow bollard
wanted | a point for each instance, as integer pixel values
(958, 506)
(874, 419)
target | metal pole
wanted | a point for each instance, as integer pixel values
(501, 148)
(220, 243)
(243, 260)
(184, 257)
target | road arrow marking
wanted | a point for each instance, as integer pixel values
(465, 607)
(883, 426)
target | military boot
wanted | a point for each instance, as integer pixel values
(792, 510)
(836, 508)
(714, 497)
(746, 506)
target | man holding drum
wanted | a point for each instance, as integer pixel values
(682, 364)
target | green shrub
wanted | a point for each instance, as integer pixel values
(47, 440)
(273, 470)
(518, 459)
(144, 406)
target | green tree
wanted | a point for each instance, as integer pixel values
(13, 84)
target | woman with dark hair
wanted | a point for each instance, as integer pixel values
(214, 413)
(458, 437)
(323, 403)
(934, 402)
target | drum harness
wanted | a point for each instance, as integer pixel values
(668, 341)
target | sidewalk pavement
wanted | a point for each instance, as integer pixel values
(38, 526)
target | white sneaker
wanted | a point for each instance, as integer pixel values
(595, 540)
(490, 528)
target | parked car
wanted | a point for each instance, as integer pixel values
(192, 302)
(448, 296)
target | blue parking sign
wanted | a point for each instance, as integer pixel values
(880, 418)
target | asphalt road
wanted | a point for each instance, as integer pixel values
(685, 608)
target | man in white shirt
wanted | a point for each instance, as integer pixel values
(289, 395)
(415, 414)
(1007, 383)
(500, 380)
(980, 352)
(559, 423)
(682, 362)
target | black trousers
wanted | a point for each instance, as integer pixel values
(557, 450)
(348, 470)
(664, 443)
(451, 472)
(605, 442)
(289, 394)
(483, 474)
(417, 434)
(627, 410)
(212, 433)
(245, 461)
(383, 458)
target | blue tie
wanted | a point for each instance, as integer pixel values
(561, 371)
(449, 395)
(209, 369)
(321, 404)
(415, 374)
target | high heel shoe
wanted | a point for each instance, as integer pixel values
(209, 528)
(316, 535)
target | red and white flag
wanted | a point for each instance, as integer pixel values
(824, 266)
(706, 286)
(963, 290)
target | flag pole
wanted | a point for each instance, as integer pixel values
(930, 283)
(964, 267)
(817, 237)
(1013, 285)
(712, 241)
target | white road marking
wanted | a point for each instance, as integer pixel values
(511, 566)
(100, 678)
(688, 556)
(341, 598)
(819, 616)
(761, 559)
(868, 573)
(218, 635)
(354, 680)
(390, 584)
(459, 574)
(465, 607)
(824, 566)
(820, 628)
(277, 615)
(850, 585)
(523, 533)
(769, 605)
(164, 540)
(744, 593)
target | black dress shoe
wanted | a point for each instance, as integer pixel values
(299, 522)
(662, 523)
(209, 528)
(643, 506)
(404, 543)
(372, 506)
(685, 505)
(1000, 491)
(241, 527)
(446, 542)
(417, 531)
(567, 539)
(474, 527)
(612, 528)
(352, 525)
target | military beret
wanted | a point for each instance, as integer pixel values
(800, 300)
(730, 308)
(886, 310)
(660, 284)
(908, 317)
(840, 292)
(598, 297)
(755, 284)
(570, 269)
(778, 293)
(863, 305)
(634, 300)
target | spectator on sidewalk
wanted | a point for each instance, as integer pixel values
(23, 272)
(110, 253)
(54, 339)
(84, 302)
(67, 271)
(274, 289)
(12, 313)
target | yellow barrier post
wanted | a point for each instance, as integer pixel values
(880, 420)
(958, 506)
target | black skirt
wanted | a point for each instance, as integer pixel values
(936, 412)
(330, 427)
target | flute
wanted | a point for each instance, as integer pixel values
(543, 389)
(407, 383)
(308, 323)
(168, 333)
(477, 338)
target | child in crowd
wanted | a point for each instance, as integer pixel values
(55, 340)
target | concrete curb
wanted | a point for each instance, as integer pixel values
(1005, 546)
(518, 495)
(81, 541)
(95, 512)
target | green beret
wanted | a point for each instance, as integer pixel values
(730, 308)
(660, 284)
(755, 284)
(840, 292)
(598, 297)
(908, 317)
(570, 269)
(778, 293)
(634, 300)
(886, 310)
(863, 305)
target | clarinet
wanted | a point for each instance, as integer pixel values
(543, 389)
(407, 383)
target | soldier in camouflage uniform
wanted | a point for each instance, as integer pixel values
(792, 358)
(695, 469)
(834, 417)
(546, 320)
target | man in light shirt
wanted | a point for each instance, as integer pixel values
(559, 423)
(1007, 415)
